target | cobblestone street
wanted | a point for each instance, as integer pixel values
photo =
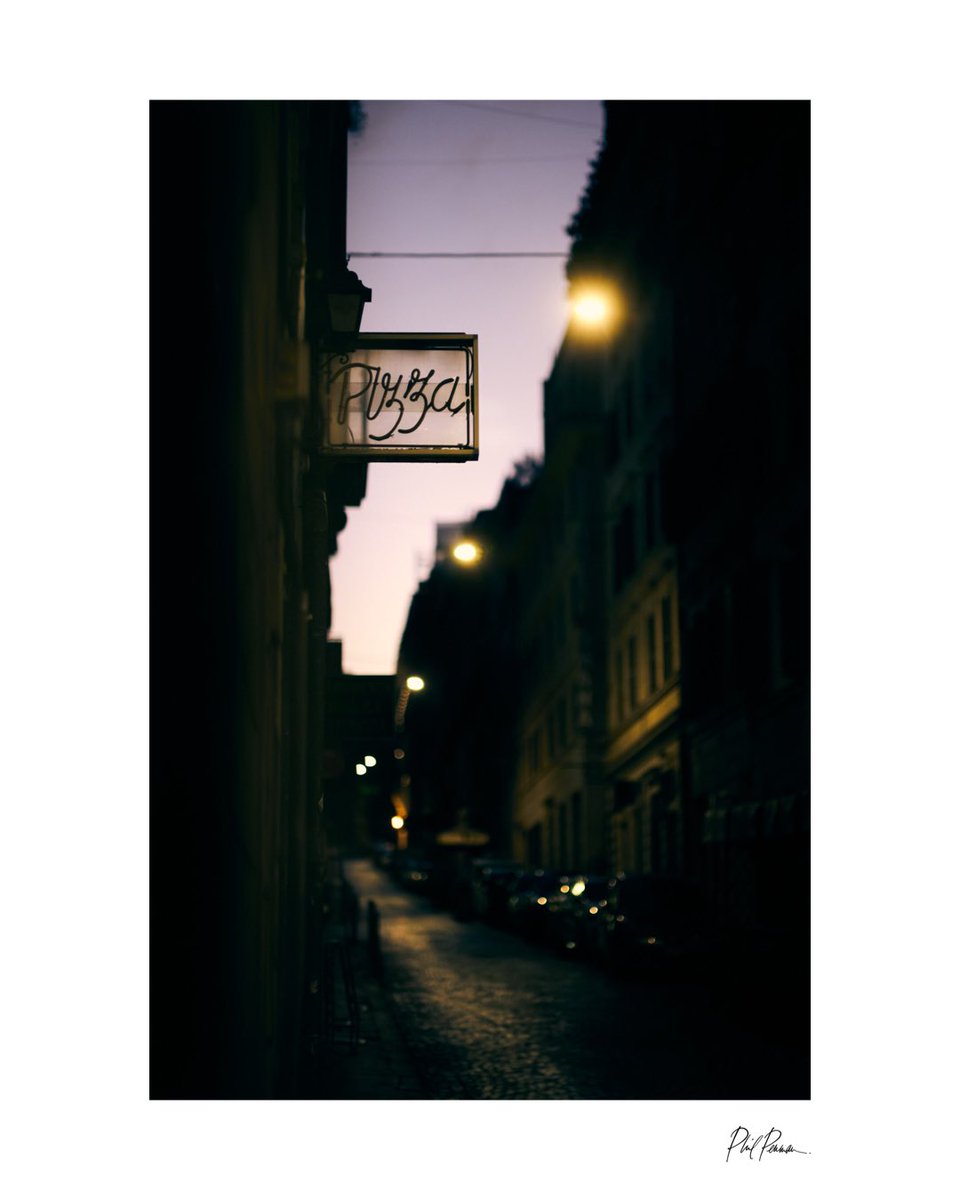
(487, 1016)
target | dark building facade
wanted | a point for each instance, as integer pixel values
(660, 610)
(358, 733)
(700, 213)
(559, 793)
(247, 229)
(459, 734)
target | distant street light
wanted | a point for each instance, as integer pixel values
(396, 822)
(412, 683)
(467, 553)
(592, 310)
(360, 769)
(595, 307)
(369, 761)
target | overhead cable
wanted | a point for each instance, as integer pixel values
(457, 254)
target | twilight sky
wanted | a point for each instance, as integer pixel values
(450, 176)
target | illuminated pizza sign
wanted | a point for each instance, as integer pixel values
(391, 396)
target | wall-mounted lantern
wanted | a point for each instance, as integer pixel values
(341, 298)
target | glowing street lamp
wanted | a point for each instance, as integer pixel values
(467, 553)
(591, 310)
(595, 307)
(396, 822)
(369, 760)
(412, 683)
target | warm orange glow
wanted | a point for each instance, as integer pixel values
(396, 822)
(595, 307)
(592, 310)
(466, 553)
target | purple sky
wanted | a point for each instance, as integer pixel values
(429, 175)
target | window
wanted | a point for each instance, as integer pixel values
(562, 849)
(650, 526)
(632, 673)
(533, 752)
(666, 622)
(624, 547)
(651, 654)
(535, 844)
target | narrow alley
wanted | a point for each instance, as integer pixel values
(488, 1016)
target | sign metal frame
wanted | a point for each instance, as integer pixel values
(336, 349)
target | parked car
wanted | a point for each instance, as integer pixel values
(576, 913)
(491, 884)
(527, 902)
(416, 875)
(653, 925)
